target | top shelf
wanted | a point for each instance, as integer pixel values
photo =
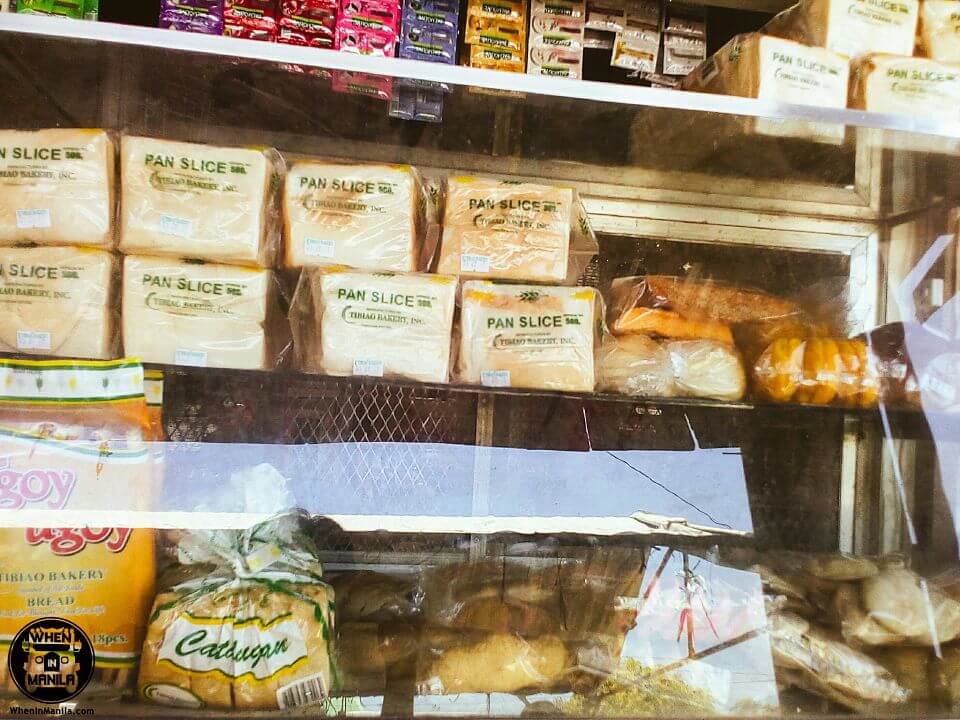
(592, 92)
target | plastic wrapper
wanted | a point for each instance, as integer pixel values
(199, 16)
(499, 663)
(528, 336)
(772, 68)
(256, 633)
(430, 30)
(251, 19)
(914, 86)
(639, 365)
(74, 437)
(507, 230)
(202, 314)
(638, 46)
(910, 667)
(850, 27)
(939, 35)
(57, 187)
(945, 677)
(496, 33)
(198, 201)
(366, 216)
(308, 22)
(368, 27)
(349, 322)
(820, 370)
(77, 10)
(58, 301)
(809, 657)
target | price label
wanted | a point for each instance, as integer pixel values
(495, 378)
(371, 368)
(196, 358)
(30, 219)
(474, 263)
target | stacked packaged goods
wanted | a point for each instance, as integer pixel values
(496, 31)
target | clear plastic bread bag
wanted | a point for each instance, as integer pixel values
(351, 322)
(59, 302)
(187, 312)
(509, 230)
(367, 216)
(77, 470)
(57, 187)
(254, 633)
(205, 202)
(529, 336)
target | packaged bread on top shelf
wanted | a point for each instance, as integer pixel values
(56, 187)
(366, 216)
(910, 85)
(850, 27)
(58, 301)
(508, 230)
(349, 322)
(183, 312)
(939, 36)
(674, 336)
(771, 68)
(76, 445)
(198, 201)
(528, 336)
(256, 633)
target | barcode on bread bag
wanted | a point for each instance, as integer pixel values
(310, 690)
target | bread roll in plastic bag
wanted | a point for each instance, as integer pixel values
(820, 371)
(635, 365)
(945, 677)
(903, 602)
(496, 663)
(58, 301)
(76, 440)
(202, 314)
(199, 201)
(255, 634)
(707, 369)
(56, 187)
(349, 322)
(370, 217)
(708, 307)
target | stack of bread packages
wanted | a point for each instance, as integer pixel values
(199, 235)
(865, 633)
(903, 56)
(521, 247)
(57, 275)
(247, 624)
(362, 237)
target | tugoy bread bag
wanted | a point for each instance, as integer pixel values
(74, 460)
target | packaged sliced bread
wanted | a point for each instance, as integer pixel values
(850, 27)
(364, 216)
(507, 230)
(348, 322)
(57, 301)
(254, 632)
(196, 201)
(939, 36)
(56, 187)
(910, 85)
(528, 336)
(182, 312)
(771, 68)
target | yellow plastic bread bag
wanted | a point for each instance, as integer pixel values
(254, 634)
(73, 446)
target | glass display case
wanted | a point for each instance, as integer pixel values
(709, 468)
